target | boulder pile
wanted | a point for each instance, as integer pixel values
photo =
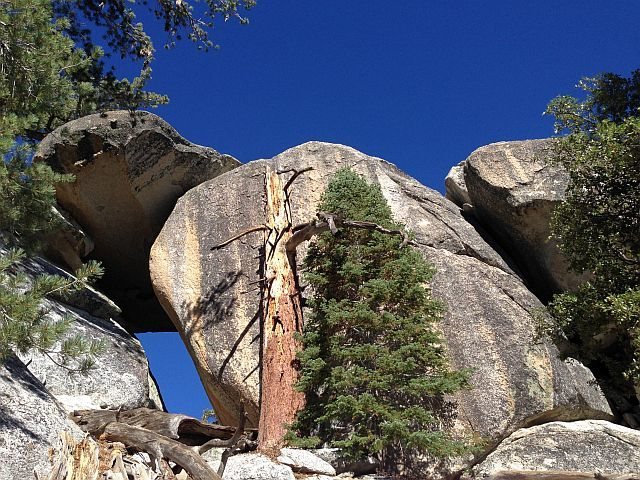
(150, 205)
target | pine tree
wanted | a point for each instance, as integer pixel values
(52, 70)
(25, 323)
(374, 367)
(47, 79)
(597, 227)
(26, 215)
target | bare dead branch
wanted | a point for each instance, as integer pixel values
(304, 232)
(296, 174)
(240, 235)
(161, 447)
(381, 229)
(332, 222)
(217, 443)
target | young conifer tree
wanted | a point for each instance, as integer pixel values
(26, 215)
(374, 368)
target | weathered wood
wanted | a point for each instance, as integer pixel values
(91, 460)
(331, 222)
(217, 443)
(282, 322)
(94, 421)
(161, 447)
(185, 429)
(75, 461)
(112, 461)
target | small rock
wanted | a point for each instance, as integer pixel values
(332, 456)
(305, 462)
(253, 466)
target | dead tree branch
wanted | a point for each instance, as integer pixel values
(240, 235)
(161, 447)
(218, 443)
(296, 174)
(332, 222)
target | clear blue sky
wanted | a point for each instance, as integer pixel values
(420, 83)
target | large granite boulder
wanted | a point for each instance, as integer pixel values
(30, 422)
(130, 169)
(214, 300)
(584, 447)
(120, 378)
(513, 190)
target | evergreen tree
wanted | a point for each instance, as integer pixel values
(28, 199)
(51, 71)
(26, 215)
(374, 367)
(25, 323)
(46, 79)
(598, 227)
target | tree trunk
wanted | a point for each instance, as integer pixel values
(282, 321)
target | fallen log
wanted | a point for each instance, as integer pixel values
(161, 447)
(186, 430)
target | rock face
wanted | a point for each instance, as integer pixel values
(130, 169)
(120, 378)
(213, 299)
(69, 244)
(30, 420)
(514, 190)
(456, 188)
(577, 447)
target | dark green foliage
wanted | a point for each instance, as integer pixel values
(373, 365)
(598, 225)
(127, 37)
(52, 71)
(25, 321)
(26, 215)
(46, 79)
(28, 199)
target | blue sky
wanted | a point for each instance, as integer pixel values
(419, 83)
